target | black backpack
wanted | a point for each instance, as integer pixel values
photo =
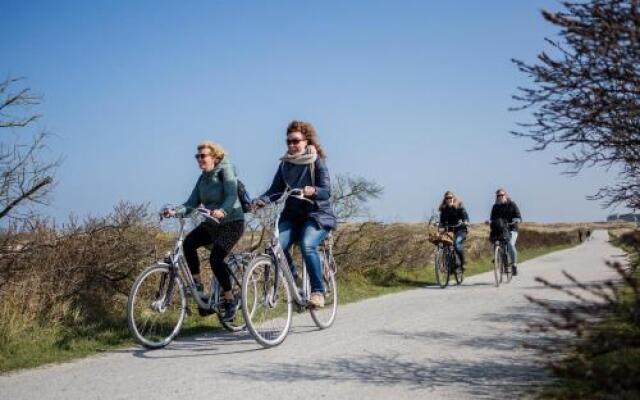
(243, 195)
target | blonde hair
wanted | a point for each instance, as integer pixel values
(217, 151)
(457, 201)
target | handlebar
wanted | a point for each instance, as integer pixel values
(283, 196)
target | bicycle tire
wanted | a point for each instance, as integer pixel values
(497, 264)
(324, 317)
(508, 270)
(441, 269)
(458, 272)
(266, 302)
(152, 323)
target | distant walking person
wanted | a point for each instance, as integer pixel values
(454, 218)
(580, 235)
(506, 209)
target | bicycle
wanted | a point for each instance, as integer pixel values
(502, 263)
(446, 262)
(270, 292)
(157, 303)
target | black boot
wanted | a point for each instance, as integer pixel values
(229, 307)
(463, 261)
(514, 268)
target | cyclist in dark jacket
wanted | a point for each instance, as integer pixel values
(303, 222)
(454, 218)
(507, 210)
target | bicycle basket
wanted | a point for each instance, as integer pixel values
(441, 237)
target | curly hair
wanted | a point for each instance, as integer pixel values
(217, 151)
(457, 201)
(309, 133)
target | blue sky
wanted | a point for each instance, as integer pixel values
(411, 94)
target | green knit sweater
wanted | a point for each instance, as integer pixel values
(217, 189)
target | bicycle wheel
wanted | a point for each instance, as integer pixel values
(441, 268)
(238, 323)
(458, 273)
(156, 307)
(507, 270)
(324, 317)
(498, 264)
(266, 302)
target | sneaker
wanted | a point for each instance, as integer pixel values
(514, 268)
(316, 300)
(229, 308)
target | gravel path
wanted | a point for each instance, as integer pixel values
(461, 342)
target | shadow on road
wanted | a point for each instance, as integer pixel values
(481, 379)
(214, 343)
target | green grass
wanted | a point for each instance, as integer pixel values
(354, 287)
(34, 345)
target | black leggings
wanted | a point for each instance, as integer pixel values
(222, 238)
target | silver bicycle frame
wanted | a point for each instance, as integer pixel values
(275, 249)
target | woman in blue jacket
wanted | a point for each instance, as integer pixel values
(303, 222)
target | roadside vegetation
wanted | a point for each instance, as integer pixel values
(600, 358)
(63, 289)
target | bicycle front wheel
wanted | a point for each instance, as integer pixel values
(441, 269)
(498, 264)
(266, 302)
(156, 307)
(324, 317)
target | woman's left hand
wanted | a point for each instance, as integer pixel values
(217, 214)
(308, 191)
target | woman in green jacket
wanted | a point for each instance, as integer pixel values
(217, 191)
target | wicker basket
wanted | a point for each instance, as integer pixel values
(441, 237)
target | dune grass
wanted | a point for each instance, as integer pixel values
(27, 346)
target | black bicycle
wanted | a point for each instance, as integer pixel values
(447, 261)
(502, 262)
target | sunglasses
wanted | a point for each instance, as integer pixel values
(294, 141)
(500, 195)
(201, 156)
(448, 198)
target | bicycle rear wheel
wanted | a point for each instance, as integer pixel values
(441, 268)
(266, 302)
(324, 317)
(156, 307)
(458, 273)
(498, 262)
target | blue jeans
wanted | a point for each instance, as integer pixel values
(511, 247)
(458, 244)
(308, 235)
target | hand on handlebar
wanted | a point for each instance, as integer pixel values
(168, 212)
(212, 215)
(257, 204)
(308, 191)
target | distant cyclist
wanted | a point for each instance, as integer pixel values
(216, 190)
(507, 211)
(454, 217)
